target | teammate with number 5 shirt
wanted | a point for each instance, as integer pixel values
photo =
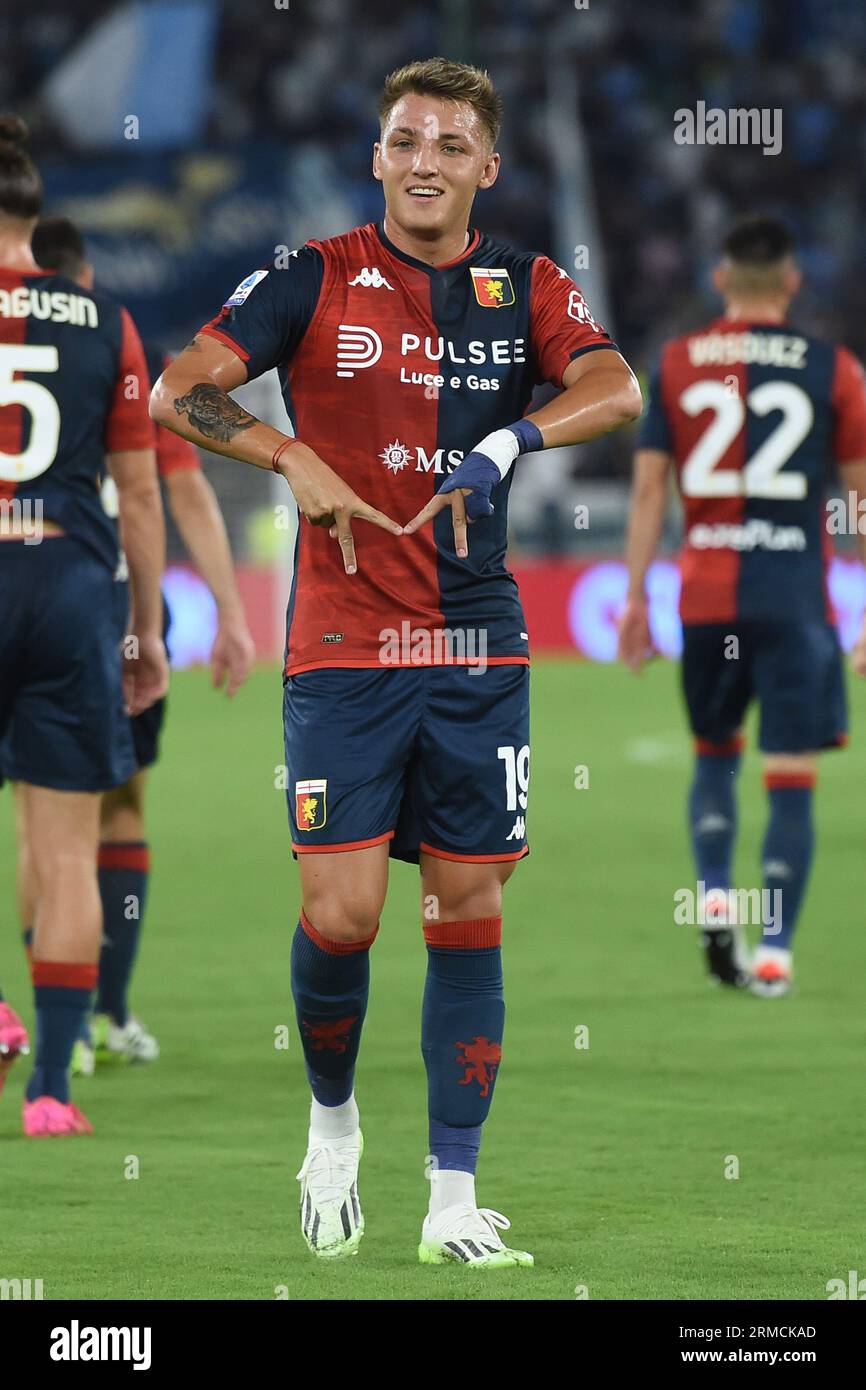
(407, 351)
(74, 390)
(753, 414)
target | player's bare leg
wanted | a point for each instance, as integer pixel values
(343, 895)
(14, 1042)
(124, 868)
(787, 856)
(62, 831)
(461, 1039)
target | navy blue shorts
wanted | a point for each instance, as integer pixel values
(62, 720)
(431, 758)
(793, 669)
(147, 726)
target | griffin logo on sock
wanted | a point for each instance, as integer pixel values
(493, 288)
(333, 1035)
(311, 803)
(480, 1059)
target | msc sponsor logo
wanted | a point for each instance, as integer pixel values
(371, 279)
(358, 347)
(396, 456)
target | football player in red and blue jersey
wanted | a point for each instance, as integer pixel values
(115, 1033)
(754, 416)
(408, 352)
(73, 394)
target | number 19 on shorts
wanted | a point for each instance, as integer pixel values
(516, 775)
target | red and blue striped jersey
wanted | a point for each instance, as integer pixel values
(392, 370)
(73, 387)
(755, 416)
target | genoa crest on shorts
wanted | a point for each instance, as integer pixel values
(310, 803)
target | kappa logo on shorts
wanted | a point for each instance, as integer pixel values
(311, 803)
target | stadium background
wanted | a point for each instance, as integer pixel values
(252, 130)
(254, 127)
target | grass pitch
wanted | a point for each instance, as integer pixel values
(610, 1159)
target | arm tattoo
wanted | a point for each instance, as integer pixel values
(214, 414)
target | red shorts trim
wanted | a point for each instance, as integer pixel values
(66, 976)
(229, 342)
(335, 948)
(347, 845)
(367, 663)
(473, 858)
(477, 934)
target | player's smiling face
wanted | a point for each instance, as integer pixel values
(433, 157)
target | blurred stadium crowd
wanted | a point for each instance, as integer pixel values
(256, 123)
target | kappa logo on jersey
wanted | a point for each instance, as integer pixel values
(245, 288)
(357, 347)
(518, 830)
(480, 1059)
(493, 288)
(311, 803)
(371, 279)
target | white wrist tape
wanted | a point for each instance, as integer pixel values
(502, 447)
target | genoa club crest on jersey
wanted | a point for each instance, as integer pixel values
(493, 288)
(311, 804)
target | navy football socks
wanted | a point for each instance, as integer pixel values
(330, 987)
(461, 1034)
(62, 997)
(713, 811)
(124, 868)
(788, 848)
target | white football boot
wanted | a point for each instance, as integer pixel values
(83, 1058)
(332, 1222)
(772, 972)
(131, 1043)
(468, 1235)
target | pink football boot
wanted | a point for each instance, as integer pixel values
(47, 1118)
(13, 1040)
